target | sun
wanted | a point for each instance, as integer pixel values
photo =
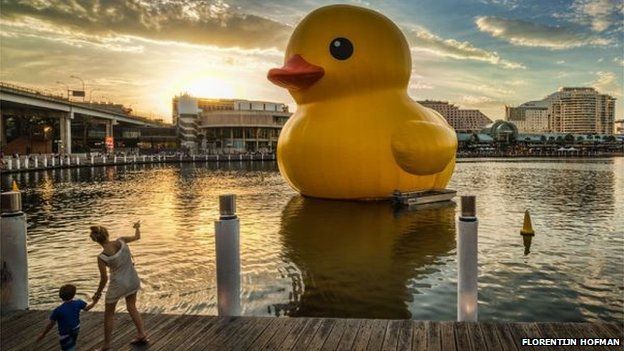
(206, 86)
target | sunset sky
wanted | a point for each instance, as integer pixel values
(474, 53)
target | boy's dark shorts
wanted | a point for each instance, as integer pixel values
(68, 342)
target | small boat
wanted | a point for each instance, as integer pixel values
(412, 198)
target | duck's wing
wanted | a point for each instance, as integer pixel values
(423, 148)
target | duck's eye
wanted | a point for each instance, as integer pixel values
(341, 48)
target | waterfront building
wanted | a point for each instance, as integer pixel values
(228, 125)
(459, 119)
(581, 110)
(530, 117)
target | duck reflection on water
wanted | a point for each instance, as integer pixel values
(356, 258)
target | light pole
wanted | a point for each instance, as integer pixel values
(83, 85)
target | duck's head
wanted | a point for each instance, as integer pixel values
(340, 50)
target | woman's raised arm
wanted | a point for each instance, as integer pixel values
(137, 233)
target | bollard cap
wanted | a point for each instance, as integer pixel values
(11, 202)
(468, 206)
(227, 206)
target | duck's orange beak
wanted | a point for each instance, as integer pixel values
(296, 74)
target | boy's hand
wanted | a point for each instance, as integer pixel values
(137, 225)
(90, 306)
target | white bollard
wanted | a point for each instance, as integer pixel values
(134, 159)
(53, 161)
(227, 245)
(217, 157)
(467, 269)
(10, 164)
(240, 157)
(229, 157)
(193, 157)
(143, 158)
(17, 163)
(91, 160)
(36, 162)
(61, 161)
(13, 253)
(103, 159)
(125, 159)
(115, 159)
(26, 162)
(77, 161)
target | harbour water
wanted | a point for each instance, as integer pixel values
(308, 257)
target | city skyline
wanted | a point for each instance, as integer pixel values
(477, 54)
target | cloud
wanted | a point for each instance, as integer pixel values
(618, 61)
(477, 101)
(607, 83)
(525, 33)
(421, 39)
(203, 23)
(600, 15)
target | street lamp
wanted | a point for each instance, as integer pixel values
(83, 85)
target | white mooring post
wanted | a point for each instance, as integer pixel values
(10, 164)
(125, 159)
(45, 161)
(36, 162)
(91, 160)
(134, 159)
(115, 159)
(17, 163)
(227, 245)
(77, 161)
(13, 253)
(467, 270)
(103, 159)
(26, 162)
(53, 160)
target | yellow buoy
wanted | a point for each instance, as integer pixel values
(15, 187)
(527, 227)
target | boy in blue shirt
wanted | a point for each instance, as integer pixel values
(67, 315)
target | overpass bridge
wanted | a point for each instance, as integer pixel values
(45, 120)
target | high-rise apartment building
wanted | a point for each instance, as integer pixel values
(582, 111)
(461, 120)
(530, 117)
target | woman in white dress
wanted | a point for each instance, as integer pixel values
(124, 280)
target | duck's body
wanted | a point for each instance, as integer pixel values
(356, 133)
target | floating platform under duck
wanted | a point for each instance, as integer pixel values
(414, 198)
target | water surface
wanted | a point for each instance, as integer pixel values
(307, 257)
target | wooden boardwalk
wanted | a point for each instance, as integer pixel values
(190, 332)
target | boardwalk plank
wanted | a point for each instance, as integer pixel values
(188, 332)
(491, 338)
(350, 333)
(278, 338)
(331, 343)
(404, 340)
(447, 336)
(477, 340)
(392, 335)
(462, 336)
(378, 333)
(290, 338)
(307, 334)
(321, 334)
(257, 328)
(433, 336)
(419, 336)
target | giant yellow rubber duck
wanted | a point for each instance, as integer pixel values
(356, 133)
